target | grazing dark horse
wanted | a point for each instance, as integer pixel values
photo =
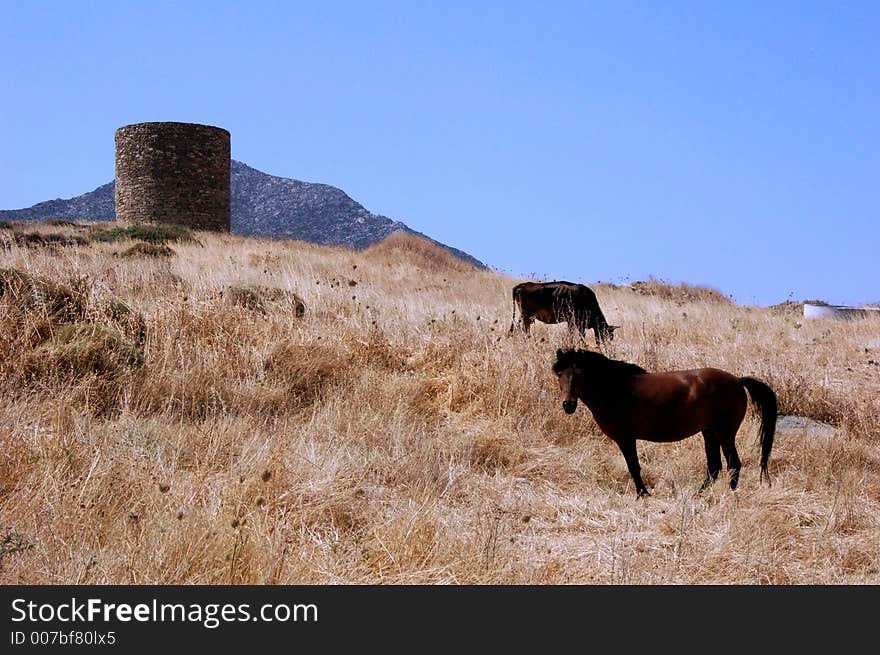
(629, 403)
(557, 302)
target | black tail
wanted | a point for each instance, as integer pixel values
(765, 398)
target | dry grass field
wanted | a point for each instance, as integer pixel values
(232, 410)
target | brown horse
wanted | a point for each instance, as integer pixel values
(629, 403)
(557, 302)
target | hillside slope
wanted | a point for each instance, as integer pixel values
(209, 430)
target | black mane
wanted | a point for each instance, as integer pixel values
(587, 359)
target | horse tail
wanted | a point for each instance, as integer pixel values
(765, 399)
(516, 291)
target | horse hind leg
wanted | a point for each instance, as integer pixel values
(713, 458)
(728, 446)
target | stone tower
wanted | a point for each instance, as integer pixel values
(176, 173)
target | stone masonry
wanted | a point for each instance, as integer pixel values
(173, 173)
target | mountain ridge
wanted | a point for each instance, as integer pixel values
(263, 205)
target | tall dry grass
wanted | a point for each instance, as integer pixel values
(392, 432)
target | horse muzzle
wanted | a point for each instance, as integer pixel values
(569, 406)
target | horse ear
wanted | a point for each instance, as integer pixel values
(559, 353)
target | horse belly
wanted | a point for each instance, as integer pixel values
(546, 316)
(670, 423)
(677, 433)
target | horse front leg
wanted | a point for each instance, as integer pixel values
(628, 448)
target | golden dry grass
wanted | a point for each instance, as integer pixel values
(393, 433)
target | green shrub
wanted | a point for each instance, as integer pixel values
(81, 349)
(147, 249)
(255, 298)
(126, 320)
(152, 233)
(50, 239)
(26, 293)
(13, 542)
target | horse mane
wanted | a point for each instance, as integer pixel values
(589, 358)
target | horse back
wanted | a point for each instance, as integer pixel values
(673, 405)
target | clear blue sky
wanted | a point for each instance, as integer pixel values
(733, 144)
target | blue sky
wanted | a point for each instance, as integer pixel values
(732, 144)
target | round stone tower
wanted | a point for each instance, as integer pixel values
(177, 173)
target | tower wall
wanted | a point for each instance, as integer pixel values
(175, 173)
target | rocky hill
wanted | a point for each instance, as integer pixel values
(262, 205)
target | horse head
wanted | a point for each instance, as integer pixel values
(608, 332)
(568, 374)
